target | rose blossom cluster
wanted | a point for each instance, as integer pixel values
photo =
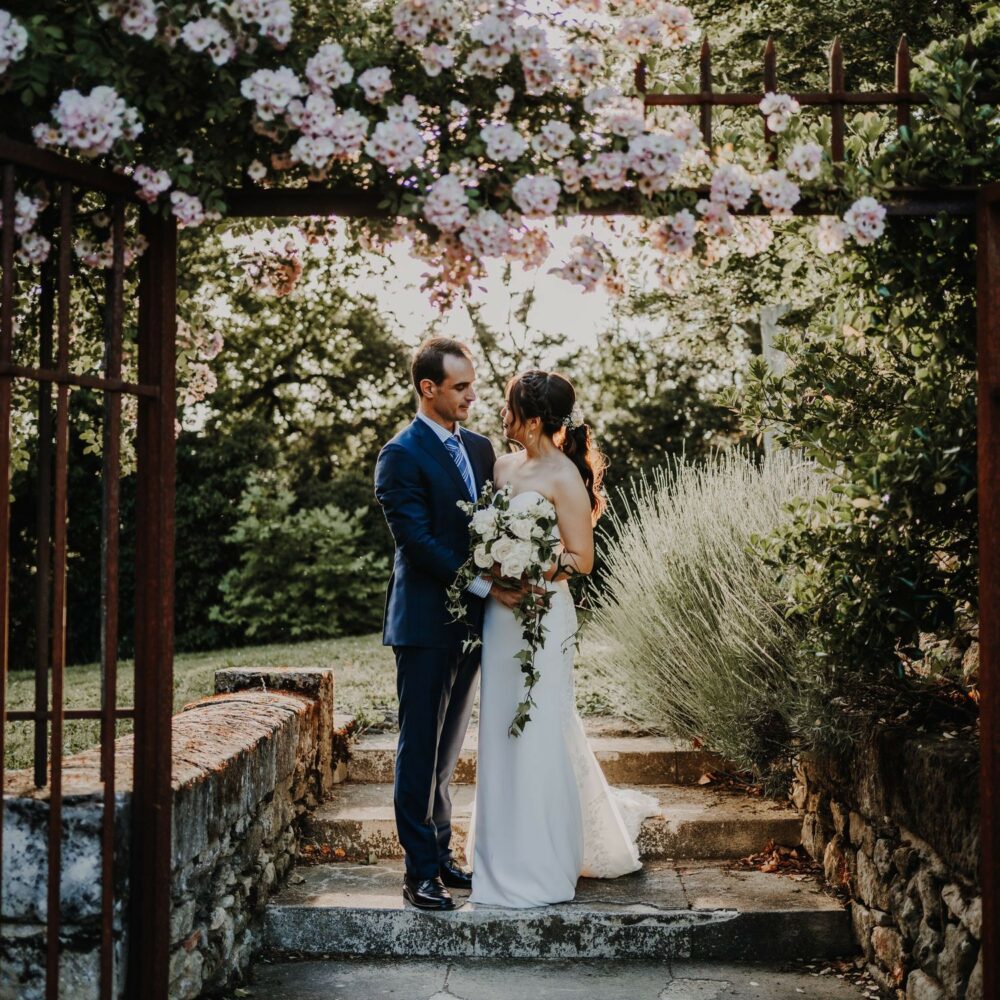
(553, 139)
(135, 17)
(503, 142)
(777, 193)
(830, 234)
(778, 109)
(375, 83)
(271, 90)
(151, 182)
(536, 195)
(13, 40)
(89, 123)
(674, 234)
(865, 220)
(209, 34)
(272, 17)
(328, 69)
(539, 63)
(415, 21)
(397, 142)
(656, 158)
(805, 161)
(187, 208)
(586, 265)
(34, 247)
(445, 205)
(487, 234)
(667, 26)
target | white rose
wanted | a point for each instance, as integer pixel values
(512, 568)
(518, 559)
(521, 526)
(484, 523)
(502, 548)
(482, 558)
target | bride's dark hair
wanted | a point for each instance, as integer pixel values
(551, 397)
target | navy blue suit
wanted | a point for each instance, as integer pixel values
(419, 485)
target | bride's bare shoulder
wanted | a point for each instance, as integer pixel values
(504, 465)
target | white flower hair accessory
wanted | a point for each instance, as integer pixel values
(575, 419)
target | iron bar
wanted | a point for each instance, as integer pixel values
(111, 498)
(811, 98)
(988, 444)
(59, 546)
(705, 83)
(151, 801)
(639, 77)
(344, 201)
(79, 381)
(57, 167)
(836, 108)
(6, 352)
(903, 83)
(43, 526)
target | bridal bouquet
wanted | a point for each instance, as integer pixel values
(515, 546)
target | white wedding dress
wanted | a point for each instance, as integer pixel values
(544, 813)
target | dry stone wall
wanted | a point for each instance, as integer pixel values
(248, 764)
(897, 827)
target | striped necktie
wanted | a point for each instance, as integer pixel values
(451, 443)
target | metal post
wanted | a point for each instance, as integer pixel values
(149, 945)
(988, 434)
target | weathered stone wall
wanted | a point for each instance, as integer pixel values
(248, 763)
(897, 827)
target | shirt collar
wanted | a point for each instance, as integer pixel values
(442, 432)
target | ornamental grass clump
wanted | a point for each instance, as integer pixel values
(691, 614)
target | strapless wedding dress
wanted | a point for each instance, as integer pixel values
(544, 814)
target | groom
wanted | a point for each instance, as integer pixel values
(420, 477)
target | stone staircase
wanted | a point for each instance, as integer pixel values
(689, 901)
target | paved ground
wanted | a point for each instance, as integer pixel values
(472, 979)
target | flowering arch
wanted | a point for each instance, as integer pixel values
(470, 123)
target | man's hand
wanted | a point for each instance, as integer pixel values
(507, 596)
(510, 596)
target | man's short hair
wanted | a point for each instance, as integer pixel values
(428, 359)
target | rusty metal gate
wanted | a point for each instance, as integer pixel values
(68, 182)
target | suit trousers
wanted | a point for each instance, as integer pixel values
(436, 689)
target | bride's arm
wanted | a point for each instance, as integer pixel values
(576, 529)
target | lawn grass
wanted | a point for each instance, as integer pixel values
(365, 685)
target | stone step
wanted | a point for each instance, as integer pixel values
(667, 910)
(358, 822)
(625, 760)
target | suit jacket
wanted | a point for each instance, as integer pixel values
(418, 486)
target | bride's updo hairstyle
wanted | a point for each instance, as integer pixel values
(551, 397)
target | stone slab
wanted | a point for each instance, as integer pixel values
(482, 979)
(637, 760)
(695, 822)
(358, 910)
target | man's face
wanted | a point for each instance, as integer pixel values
(452, 399)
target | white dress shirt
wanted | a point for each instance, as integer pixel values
(480, 587)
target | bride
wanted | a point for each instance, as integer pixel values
(544, 814)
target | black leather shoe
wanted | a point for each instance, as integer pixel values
(427, 893)
(455, 876)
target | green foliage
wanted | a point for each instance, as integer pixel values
(882, 395)
(303, 573)
(696, 643)
(649, 403)
(880, 391)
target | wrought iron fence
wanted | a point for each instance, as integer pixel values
(68, 183)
